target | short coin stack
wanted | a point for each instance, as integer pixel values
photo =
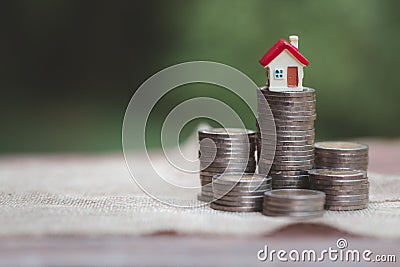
(341, 155)
(294, 116)
(299, 203)
(344, 189)
(224, 149)
(239, 192)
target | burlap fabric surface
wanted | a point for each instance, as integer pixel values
(95, 195)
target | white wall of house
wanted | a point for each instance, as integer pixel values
(283, 61)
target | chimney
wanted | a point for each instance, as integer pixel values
(294, 40)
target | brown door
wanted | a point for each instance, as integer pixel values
(292, 77)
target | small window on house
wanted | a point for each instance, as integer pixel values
(278, 74)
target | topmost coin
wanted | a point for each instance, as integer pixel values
(226, 132)
(339, 146)
(289, 94)
(243, 178)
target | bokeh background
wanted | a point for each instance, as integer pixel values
(69, 67)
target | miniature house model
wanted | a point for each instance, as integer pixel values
(284, 65)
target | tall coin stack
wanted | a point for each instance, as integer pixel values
(344, 189)
(239, 192)
(224, 149)
(300, 203)
(341, 155)
(294, 116)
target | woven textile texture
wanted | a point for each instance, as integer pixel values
(95, 195)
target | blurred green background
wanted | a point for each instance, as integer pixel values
(68, 68)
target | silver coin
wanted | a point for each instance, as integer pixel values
(285, 203)
(294, 148)
(342, 167)
(291, 168)
(306, 92)
(278, 100)
(339, 165)
(290, 112)
(287, 173)
(290, 177)
(221, 193)
(349, 167)
(227, 157)
(346, 208)
(223, 160)
(282, 104)
(273, 208)
(344, 160)
(245, 146)
(305, 153)
(228, 143)
(248, 191)
(239, 203)
(346, 192)
(287, 122)
(242, 197)
(244, 186)
(307, 214)
(284, 119)
(293, 162)
(324, 187)
(225, 132)
(228, 165)
(291, 128)
(210, 173)
(337, 174)
(240, 187)
(334, 155)
(235, 209)
(293, 184)
(289, 143)
(341, 146)
(248, 178)
(293, 180)
(290, 183)
(294, 194)
(346, 202)
(341, 161)
(293, 158)
(346, 197)
(341, 181)
(316, 204)
(302, 186)
(283, 98)
(229, 169)
(265, 110)
(280, 138)
(240, 138)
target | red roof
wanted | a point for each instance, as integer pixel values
(277, 48)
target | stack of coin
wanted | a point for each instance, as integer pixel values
(344, 189)
(341, 155)
(224, 149)
(299, 203)
(242, 192)
(294, 116)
